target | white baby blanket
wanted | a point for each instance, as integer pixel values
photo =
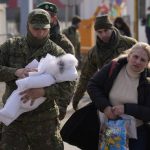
(50, 70)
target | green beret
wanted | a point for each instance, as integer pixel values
(48, 7)
(39, 18)
(103, 22)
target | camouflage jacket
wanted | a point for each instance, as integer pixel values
(74, 36)
(98, 56)
(15, 54)
(64, 43)
(60, 39)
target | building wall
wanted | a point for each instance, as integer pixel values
(87, 8)
(3, 34)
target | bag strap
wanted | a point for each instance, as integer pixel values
(113, 65)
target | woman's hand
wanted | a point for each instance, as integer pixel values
(118, 110)
(108, 111)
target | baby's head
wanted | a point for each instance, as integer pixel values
(67, 61)
(54, 65)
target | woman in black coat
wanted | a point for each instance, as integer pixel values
(123, 87)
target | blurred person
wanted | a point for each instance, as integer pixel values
(37, 129)
(55, 33)
(147, 25)
(74, 36)
(121, 25)
(125, 91)
(109, 44)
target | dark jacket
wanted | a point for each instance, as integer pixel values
(101, 83)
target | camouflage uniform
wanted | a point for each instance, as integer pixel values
(37, 129)
(74, 36)
(55, 34)
(61, 40)
(99, 55)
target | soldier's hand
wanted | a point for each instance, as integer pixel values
(32, 94)
(23, 72)
(75, 104)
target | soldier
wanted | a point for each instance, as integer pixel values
(37, 129)
(61, 40)
(74, 36)
(55, 34)
(109, 44)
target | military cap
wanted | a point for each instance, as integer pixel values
(103, 22)
(48, 7)
(39, 18)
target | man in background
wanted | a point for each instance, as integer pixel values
(62, 41)
(74, 36)
(109, 44)
(55, 34)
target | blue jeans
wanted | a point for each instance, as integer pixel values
(141, 142)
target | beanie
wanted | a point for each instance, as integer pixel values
(103, 22)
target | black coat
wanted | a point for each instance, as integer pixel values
(101, 83)
(82, 128)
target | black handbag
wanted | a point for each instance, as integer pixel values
(82, 128)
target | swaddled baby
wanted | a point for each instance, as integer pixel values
(50, 70)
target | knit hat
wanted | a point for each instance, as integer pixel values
(39, 18)
(103, 22)
(48, 7)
